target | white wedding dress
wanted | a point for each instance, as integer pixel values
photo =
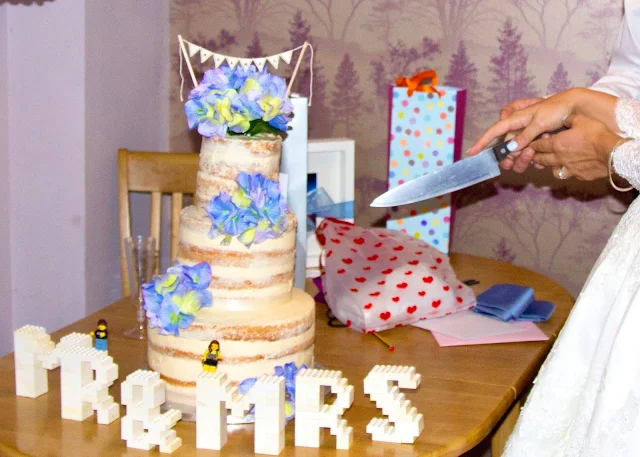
(586, 398)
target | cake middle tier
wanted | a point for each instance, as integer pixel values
(242, 278)
(222, 159)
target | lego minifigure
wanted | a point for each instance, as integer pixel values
(211, 357)
(101, 335)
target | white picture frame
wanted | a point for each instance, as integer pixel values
(331, 164)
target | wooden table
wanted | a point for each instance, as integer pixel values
(465, 391)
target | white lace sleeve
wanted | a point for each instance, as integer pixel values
(626, 158)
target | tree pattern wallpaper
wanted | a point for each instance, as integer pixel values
(498, 50)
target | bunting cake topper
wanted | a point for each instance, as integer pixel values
(189, 50)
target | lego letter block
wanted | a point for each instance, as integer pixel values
(312, 413)
(85, 377)
(215, 394)
(31, 343)
(380, 386)
(144, 427)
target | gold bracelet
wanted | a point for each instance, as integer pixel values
(616, 187)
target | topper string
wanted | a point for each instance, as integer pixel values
(181, 74)
(186, 56)
(297, 67)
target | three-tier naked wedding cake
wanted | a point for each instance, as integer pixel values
(232, 281)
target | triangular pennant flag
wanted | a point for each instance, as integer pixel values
(244, 63)
(193, 49)
(260, 63)
(218, 59)
(204, 55)
(274, 61)
(286, 56)
(233, 61)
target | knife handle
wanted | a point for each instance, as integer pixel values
(501, 151)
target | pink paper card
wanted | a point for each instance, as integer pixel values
(530, 332)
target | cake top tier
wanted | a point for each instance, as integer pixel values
(234, 101)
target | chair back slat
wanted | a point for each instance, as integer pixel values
(156, 173)
(176, 208)
(155, 216)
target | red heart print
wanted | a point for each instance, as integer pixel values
(434, 268)
(374, 294)
(393, 259)
(377, 245)
(445, 288)
(359, 241)
(418, 252)
(438, 260)
(387, 271)
(412, 309)
(347, 260)
(398, 248)
(371, 332)
(408, 273)
(448, 314)
(459, 286)
(355, 291)
(381, 283)
(372, 258)
(321, 239)
(335, 240)
(341, 271)
(355, 251)
(329, 254)
(459, 299)
(385, 316)
(427, 280)
(382, 235)
(368, 306)
(423, 318)
(422, 293)
(348, 323)
(361, 279)
(398, 325)
(402, 285)
(340, 233)
(414, 262)
(436, 303)
(367, 268)
(396, 299)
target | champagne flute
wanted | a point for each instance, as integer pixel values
(141, 264)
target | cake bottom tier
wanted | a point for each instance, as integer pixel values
(252, 343)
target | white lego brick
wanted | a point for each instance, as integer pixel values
(269, 397)
(32, 345)
(140, 443)
(172, 446)
(76, 410)
(108, 414)
(154, 394)
(312, 414)
(404, 423)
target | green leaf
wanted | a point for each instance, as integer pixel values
(256, 127)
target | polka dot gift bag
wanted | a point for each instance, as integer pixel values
(425, 134)
(376, 279)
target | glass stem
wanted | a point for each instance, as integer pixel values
(141, 313)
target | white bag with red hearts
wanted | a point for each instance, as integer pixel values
(375, 279)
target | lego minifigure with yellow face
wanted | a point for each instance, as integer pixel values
(101, 335)
(211, 357)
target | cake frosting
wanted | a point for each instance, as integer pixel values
(259, 320)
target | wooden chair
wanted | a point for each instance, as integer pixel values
(156, 173)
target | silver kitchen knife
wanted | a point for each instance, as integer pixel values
(450, 178)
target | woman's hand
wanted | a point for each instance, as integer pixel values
(582, 151)
(536, 119)
(519, 161)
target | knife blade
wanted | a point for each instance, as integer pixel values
(450, 178)
(456, 176)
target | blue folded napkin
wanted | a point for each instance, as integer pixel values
(510, 302)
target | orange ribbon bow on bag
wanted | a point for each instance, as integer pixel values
(417, 82)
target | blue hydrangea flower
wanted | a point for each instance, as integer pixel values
(172, 300)
(229, 100)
